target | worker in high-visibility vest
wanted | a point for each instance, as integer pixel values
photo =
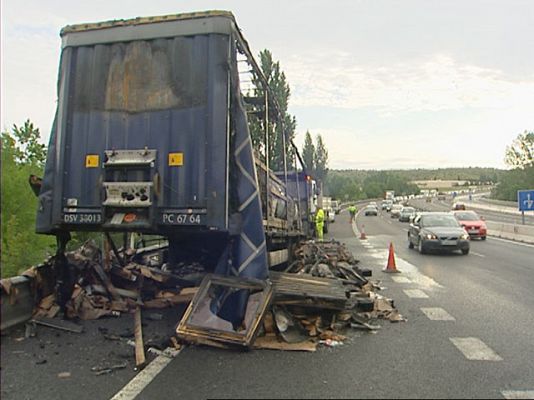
(352, 212)
(319, 223)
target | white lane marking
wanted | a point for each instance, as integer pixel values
(408, 270)
(437, 314)
(475, 349)
(415, 294)
(389, 222)
(405, 230)
(511, 241)
(478, 254)
(143, 378)
(518, 394)
(401, 279)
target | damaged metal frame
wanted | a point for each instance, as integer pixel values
(205, 334)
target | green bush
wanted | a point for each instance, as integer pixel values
(21, 246)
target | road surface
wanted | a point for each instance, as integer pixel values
(469, 334)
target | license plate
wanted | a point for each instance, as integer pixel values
(473, 230)
(449, 243)
(82, 218)
(183, 219)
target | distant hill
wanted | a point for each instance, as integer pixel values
(456, 174)
(356, 184)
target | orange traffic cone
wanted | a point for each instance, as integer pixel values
(362, 233)
(391, 267)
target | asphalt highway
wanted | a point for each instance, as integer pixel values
(487, 293)
(469, 334)
(511, 216)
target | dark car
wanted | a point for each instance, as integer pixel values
(370, 210)
(437, 231)
(458, 206)
(406, 213)
(472, 223)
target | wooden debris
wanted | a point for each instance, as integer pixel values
(170, 299)
(106, 280)
(60, 324)
(140, 359)
(273, 343)
(176, 345)
(320, 294)
(309, 291)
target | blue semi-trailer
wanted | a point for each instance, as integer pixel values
(152, 134)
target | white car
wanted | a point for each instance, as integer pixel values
(396, 210)
(386, 205)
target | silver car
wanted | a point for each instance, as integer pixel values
(370, 210)
(395, 210)
(437, 231)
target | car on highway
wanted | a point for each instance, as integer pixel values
(386, 205)
(438, 231)
(458, 206)
(472, 223)
(370, 210)
(336, 206)
(406, 213)
(395, 210)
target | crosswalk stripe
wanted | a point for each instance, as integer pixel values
(415, 294)
(437, 314)
(475, 349)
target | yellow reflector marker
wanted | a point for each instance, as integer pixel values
(176, 159)
(91, 161)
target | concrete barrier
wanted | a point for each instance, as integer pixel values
(521, 233)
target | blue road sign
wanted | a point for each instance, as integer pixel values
(525, 200)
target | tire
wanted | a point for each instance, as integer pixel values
(465, 252)
(421, 247)
(483, 238)
(410, 244)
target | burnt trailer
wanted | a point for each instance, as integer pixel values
(152, 134)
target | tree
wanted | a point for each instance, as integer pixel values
(28, 150)
(321, 159)
(308, 153)
(278, 125)
(520, 156)
(22, 155)
(521, 153)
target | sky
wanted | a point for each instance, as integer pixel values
(388, 84)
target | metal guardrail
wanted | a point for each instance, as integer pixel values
(17, 301)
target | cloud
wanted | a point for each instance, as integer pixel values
(438, 82)
(29, 76)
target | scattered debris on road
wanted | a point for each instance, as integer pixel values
(315, 300)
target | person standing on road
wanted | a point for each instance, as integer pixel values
(352, 212)
(319, 223)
